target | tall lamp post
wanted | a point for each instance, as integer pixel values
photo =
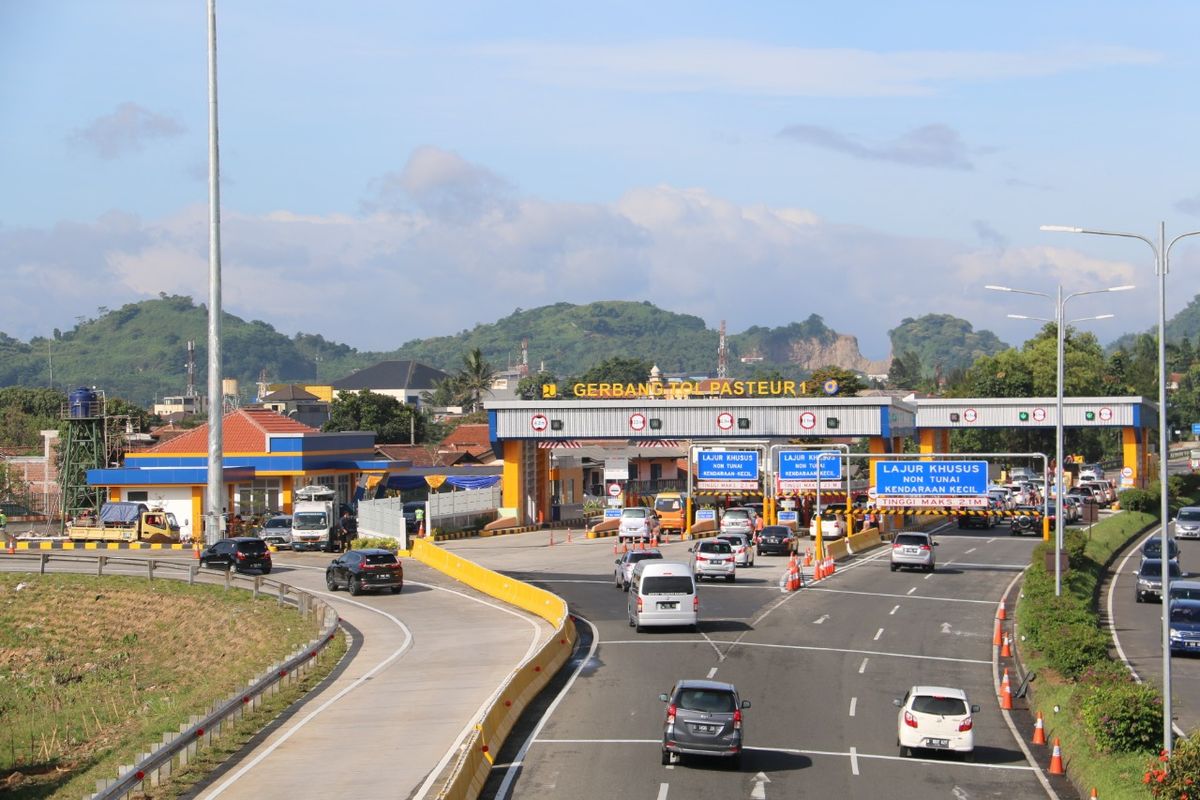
(1060, 323)
(1162, 264)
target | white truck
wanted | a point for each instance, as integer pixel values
(314, 519)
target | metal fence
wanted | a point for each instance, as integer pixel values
(451, 511)
(177, 750)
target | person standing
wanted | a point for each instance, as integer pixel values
(419, 514)
(349, 526)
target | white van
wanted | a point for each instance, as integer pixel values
(663, 593)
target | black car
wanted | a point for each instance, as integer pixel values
(976, 518)
(776, 539)
(242, 553)
(365, 570)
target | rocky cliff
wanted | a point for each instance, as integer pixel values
(841, 351)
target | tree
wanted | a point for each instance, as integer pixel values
(849, 383)
(905, 371)
(474, 380)
(392, 421)
(444, 393)
(530, 387)
(618, 369)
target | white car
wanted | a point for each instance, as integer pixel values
(637, 524)
(623, 571)
(832, 523)
(743, 548)
(1187, 523)
(935, 718)
(713, 558)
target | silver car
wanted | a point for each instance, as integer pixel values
(704, 718)
(637, 524)
(913, 550)
(738, 520)
(623, 572)
(713, 558)
(743, 548)
(1187, 523)
(277, 530)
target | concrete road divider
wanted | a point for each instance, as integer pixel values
(471, 770)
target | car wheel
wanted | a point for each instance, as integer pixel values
(666, 756)
(330, 583)
(354, 587)
(735, 762)
(929, 568)
(266, 570)
(730, 578)
(905, 752)
(969, 756)
(631, 623)
(1139, 598)
(637, 628)
(895, 567)
(396, 589)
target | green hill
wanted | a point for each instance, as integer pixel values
(943, 343)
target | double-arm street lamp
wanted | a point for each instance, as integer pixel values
(1162, 264)
(1060, 323)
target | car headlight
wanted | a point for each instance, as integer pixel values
(1144, 584)
(1175, 634)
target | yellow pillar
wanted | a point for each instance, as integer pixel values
(541, 477)
(286, 498)
(512, 484)
(943, 440)
(114, 494)
(1133, 454)
(928, 440)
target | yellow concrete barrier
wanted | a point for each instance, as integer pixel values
(863, 540)
(474, 764)
(836, 549)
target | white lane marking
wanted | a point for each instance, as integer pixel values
(660, 643)
(511, 772)
(834, 753)
(913, 589)
(759, 792)
(720, 655)
(893, 611)
(878, 633)
(712, 672)
(662, 790)
(853, 704)
(972, 550)
(928, 575)
(820, 619)
(863, 666)
(854, 760)
(564, 580)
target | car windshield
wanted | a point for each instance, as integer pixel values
(379, 558)
(716, 546)
(942, 706)
(252, 547)
(309, 521)
(711, 700)
(635, 556)
(1185, 592)
(667, 584)
(634, 513)
(735, 514)
(1185, 613)
(1152, 568)
(737, 540)
(776, 530)
(668, 504)
(1189, 515)
(911, 538)
(1154, 547)
(278, 522)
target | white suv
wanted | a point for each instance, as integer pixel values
(637, 524)
(713, 558)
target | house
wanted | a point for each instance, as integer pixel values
(403, 380)
(297, 403)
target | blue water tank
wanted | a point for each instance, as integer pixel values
(82, 402)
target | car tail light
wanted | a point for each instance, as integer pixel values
(924, 547)
(696, 603)
(639, 605)
(701, 557)
(240, 554)
(909, 719)
(671, 714)
(737, 719)
(896, 546)
(966, 725)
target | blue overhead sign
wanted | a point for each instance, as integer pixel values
(727, 465)
(939, 479)
(801, 465)
(1196, 429)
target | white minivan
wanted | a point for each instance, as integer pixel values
(662, 594)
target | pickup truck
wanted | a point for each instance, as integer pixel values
(126, 522)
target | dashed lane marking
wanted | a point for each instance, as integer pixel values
(863, 666)
(810, 648)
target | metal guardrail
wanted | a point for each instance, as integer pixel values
(177, 750)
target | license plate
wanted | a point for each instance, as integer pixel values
(718, 560)
(1191, 644)
(705, 728)
(937, 742)
(668, 605)
(911, 551)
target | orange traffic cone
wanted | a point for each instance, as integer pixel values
(1001, 614)
(1039, 730)
(552, 538)
(832, 566)
(1093, 795)
(1006, 693)
(996, 635)
(1056, 765)
(1006, 650)
(568, 535)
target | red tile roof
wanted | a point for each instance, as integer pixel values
(470, 437)
(242, 431)
(420, 455)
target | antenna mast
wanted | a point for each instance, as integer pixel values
(722, 355)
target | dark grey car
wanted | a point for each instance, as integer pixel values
(703, 718)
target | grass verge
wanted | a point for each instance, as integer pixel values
(1115, 775)
(95, 669)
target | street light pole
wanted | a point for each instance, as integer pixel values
(1060, 323)
(1162, 262)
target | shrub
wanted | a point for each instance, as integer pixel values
(1178, 776)
(1139, 500)
(1043, 616)
(1075, 647)
(1123, 718)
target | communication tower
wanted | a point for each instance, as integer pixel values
(722, 355)
(94, 440)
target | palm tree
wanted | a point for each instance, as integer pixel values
(474, 380)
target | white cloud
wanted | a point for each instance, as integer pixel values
(126, 130)
(376, 281)
(705, 65)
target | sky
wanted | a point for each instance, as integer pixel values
(394, 171)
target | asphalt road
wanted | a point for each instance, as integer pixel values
(420, 667)
(821, 668)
